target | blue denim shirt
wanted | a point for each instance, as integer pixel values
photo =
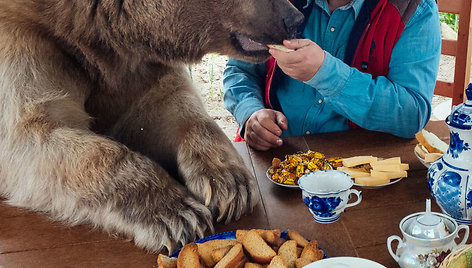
(399, 103)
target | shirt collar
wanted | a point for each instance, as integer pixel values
(356, 5)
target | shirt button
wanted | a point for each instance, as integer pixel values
(332, 29)
(320, 101)
(307, 132)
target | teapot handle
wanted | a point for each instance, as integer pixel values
(466, 235)
(389, 245)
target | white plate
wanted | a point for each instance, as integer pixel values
(422, 160)
(269, 177)
(380, 185)
(344, 262)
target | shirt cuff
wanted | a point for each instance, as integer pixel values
(331, 77)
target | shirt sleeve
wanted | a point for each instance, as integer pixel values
(399, 103)
(243, 83)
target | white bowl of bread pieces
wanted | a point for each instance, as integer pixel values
(430, 147)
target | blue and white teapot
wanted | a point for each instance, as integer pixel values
(450, 177)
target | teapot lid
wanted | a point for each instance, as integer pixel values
(427, 225)
(461, 115)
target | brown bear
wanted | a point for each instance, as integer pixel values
(100, 123)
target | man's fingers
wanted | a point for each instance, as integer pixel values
(262, 139)
(271, 125)
(255, 139)
(263, 129)
(267, 135)
(297, 43)
(281, 120)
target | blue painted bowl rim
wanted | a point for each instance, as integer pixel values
(228, 235)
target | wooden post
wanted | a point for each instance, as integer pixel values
(463, 56)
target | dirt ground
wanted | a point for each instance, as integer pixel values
(208, 77)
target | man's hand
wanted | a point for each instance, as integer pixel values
(301, 64)
(263, 129)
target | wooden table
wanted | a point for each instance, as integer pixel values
(29, 239)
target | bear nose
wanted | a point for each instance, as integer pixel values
(292, 22)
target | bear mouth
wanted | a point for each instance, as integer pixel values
(248, 45)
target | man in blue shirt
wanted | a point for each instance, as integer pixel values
(321, 93)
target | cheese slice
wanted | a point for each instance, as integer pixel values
(354, 172)
(388, 175)
(393, 160)
(358, 160)
(371, 181)
(389, 167)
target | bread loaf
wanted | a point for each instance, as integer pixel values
(431, 142)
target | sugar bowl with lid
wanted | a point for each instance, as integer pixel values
(426, 235)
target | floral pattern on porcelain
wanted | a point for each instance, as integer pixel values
(461, 120)
(450, 177)
(411, 250)
(322, 207)
(469, 200)
(448, 193)
(457, 145)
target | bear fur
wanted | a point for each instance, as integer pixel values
(100, 123)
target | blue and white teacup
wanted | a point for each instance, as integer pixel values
(326, 193)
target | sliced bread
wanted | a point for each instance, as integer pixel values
(294, 235)
(257, 248)
(218, 254)
(277, 262)
(253, 265)
(288, 252)
(431, 142)
(206, 249)
(164, 261)
(235, 258)
(188, 257)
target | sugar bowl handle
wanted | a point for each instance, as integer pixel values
(359, 198)
(389, 245)
(466, 235)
